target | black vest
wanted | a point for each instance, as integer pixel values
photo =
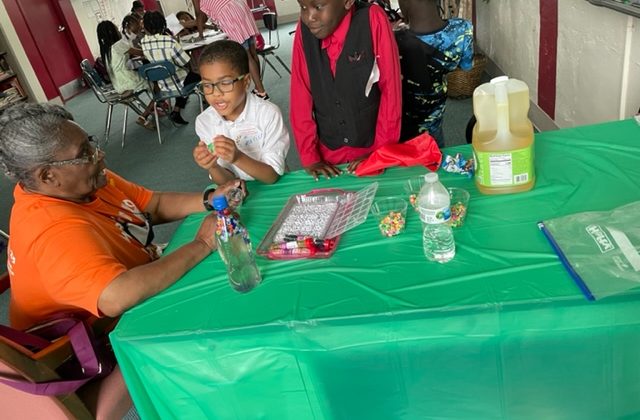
(343, 114)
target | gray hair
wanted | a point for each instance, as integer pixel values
(30, 136)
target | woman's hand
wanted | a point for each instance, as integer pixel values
(206, 232)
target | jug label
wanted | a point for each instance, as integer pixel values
(504, 168)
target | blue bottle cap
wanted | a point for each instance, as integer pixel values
(220, 202)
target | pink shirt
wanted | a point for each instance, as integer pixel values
(232, 16)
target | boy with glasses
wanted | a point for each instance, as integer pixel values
(241, 136)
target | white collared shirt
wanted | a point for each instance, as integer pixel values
(259, 132)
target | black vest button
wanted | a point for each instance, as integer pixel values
(346, 140)
(338, 103)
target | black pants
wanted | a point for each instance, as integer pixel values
(191, 78)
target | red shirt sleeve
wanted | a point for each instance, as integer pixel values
(305, 131)
(386, 51)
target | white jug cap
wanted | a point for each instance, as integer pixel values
(499, 79)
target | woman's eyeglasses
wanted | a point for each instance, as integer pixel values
(224, 86)
(91, 158)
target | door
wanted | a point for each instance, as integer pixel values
(54, 43)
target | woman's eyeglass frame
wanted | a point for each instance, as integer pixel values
(87, 159)
(224, 86)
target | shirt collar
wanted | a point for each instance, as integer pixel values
(340, 33)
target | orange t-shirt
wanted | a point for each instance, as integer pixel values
(62, 254)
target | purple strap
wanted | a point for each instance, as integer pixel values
(82, 347)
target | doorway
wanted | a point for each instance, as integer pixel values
(48, 31)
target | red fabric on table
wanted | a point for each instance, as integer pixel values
(421, 150)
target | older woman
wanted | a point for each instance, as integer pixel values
(81, 236)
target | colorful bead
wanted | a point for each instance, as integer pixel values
(392, 224)
(458, 212)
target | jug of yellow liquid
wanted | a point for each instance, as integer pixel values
(502, 138)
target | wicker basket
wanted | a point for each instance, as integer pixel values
(461, 84)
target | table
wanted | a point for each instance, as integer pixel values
(191, 42)
(378, 332)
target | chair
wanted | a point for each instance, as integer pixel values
(107, 95)
(270, 20)
(103, 399)
(165, 70)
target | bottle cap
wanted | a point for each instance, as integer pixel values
(431, 177)
(220, 202)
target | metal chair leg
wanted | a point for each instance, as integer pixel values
(282, 62)
(272, 66)
(124, 124)
(155, 112)
(108, 125)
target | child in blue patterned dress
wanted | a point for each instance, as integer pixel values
(430, 47)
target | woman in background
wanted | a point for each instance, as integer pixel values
(115, 53)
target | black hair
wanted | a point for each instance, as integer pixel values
(136, 5)
(228, 51)
(108, 35)
(128, 20)
(154, 23)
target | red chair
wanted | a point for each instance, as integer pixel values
(107, 398)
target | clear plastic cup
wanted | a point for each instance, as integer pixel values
(391, 214)
(459, 206)
(412, 188)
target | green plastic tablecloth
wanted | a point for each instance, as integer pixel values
(379, 332)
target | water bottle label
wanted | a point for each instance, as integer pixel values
(499, 169)
(435, 216)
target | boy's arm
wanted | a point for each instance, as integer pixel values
(220, 175)
(258, 170)
(301, 106)
(386, 51)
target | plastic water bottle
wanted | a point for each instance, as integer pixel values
(434, 207)
(235, 248)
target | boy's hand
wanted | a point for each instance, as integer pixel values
(322, 168)
(226, 148)
(353, 165)
(203, 157)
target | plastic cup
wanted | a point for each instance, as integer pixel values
(412, 188)
(459, 206)
(391, 214)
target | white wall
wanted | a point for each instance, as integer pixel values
(591, 82)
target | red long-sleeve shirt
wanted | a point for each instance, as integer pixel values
(310, 149)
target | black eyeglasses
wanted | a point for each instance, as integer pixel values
(89, 158)
(224, 86)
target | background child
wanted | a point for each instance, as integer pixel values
(345, 84)
(429, 49)
(157, 46)
(247, 135)
(236, 20)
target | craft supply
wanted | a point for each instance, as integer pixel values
(310, 225)
(392, 224)
(458, 164)
(459, 206)
(458, 211)
(391, 214)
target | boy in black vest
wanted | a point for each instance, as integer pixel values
(345, 84)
